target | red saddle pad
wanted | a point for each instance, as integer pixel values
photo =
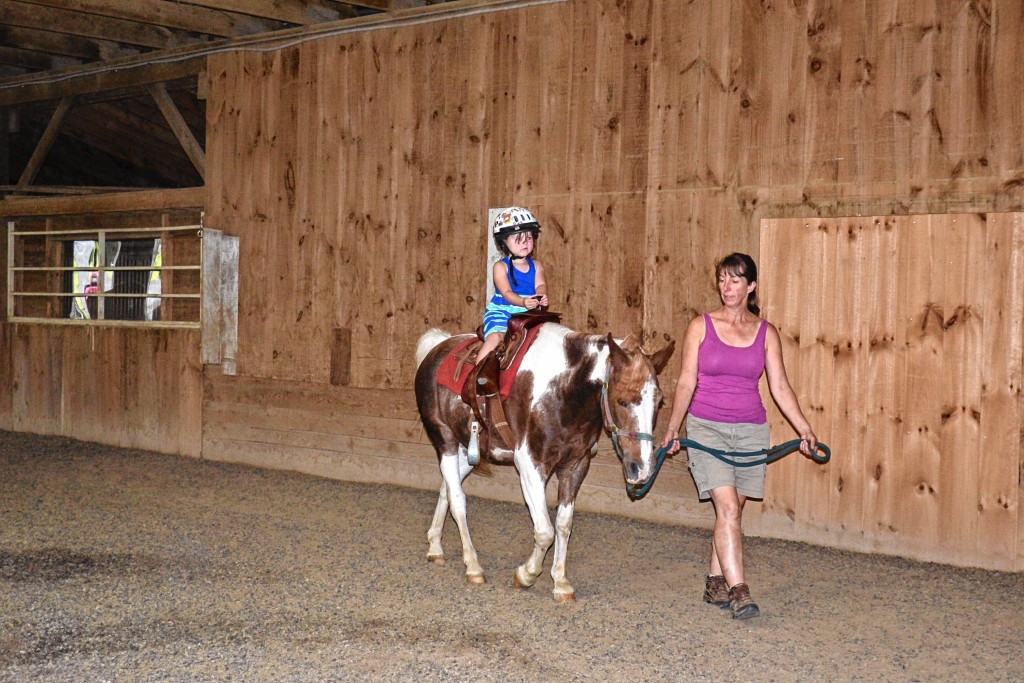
(446, 372)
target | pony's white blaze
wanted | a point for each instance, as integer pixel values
(644, 415)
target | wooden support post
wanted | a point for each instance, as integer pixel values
(5, 147)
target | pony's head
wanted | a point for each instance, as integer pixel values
(630, 401)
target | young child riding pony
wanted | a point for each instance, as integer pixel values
(519, 283)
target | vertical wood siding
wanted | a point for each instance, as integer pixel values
(651, 138)
(128, 387)
(916, 386)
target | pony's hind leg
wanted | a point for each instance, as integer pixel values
(435, 553)
(455, 468)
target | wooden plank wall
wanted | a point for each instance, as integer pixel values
(125, 386)
(128, 387)
(909, 360)
(651, 138)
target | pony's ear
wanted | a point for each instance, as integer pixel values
(630, 343)
(660, 359)
(618, 357)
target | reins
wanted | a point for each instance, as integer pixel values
(770, 455)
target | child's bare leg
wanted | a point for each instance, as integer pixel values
(491, 342)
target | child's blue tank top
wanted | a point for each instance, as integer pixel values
(523, 283)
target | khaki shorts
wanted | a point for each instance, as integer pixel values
(709, 472)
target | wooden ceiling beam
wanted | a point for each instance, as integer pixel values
(171, 14)
(301, 12)
(62, 189)
(115, 75)
(9, 71)
(142, 108)
(42, 17)
(152, 200)
(62, 44)
(388, 5)
(28, 59)
(185, 61)
(187, 83)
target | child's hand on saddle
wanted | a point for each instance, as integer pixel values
(532, 302)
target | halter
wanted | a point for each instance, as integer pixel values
(613, 429)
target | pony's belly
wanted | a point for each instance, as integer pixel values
(502, 456)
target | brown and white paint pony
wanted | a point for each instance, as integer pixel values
(555, 410)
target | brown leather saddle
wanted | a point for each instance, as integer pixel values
(481, 389)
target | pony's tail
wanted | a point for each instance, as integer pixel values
(428, 340)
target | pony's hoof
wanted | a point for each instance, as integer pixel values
(435, 559)
(519, 582)
(476, 578)
(565, 598)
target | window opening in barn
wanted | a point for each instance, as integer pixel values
(134, 253)
(117, 276)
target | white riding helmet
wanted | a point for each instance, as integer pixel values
(511, 221)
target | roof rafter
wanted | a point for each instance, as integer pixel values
(171, 14)
(62, 44)
(43, 148)
(42, 17)
(302, 12)
(180, 128)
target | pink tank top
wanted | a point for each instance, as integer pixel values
(727, 379)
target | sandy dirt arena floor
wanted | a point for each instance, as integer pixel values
(122, 565)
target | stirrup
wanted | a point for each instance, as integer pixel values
(473, 450)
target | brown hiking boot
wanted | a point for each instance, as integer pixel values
(740, 602)
(716, 591)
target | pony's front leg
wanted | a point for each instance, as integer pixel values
(563, 590)
(569, 481)
(454, 469)
(543, 534)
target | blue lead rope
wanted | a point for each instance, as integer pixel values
(770, 455)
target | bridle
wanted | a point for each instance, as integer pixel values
(613, 429)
